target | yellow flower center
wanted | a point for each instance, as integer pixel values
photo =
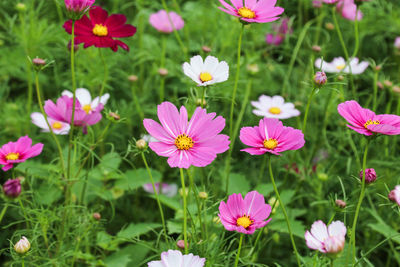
(369, 122)
(100, 30)
(244, 221)
(270, 144)
(184, 142)
(12, 156)
(246, 13)
(57, 125)
(340, 67)
(275, 110)
(87, 108)
(205, 77)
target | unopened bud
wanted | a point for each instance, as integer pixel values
(329, 26)
(370, 175)
(396, 89)
(181, 244)
(203, 195)
(252, 68)
(387, 83)
(320, 78)
(316, 48)
(163, 71)
(20, 7)
(141, 144)
(380, 85)
(22, 246)
(181, 191)
(378, 68)
(322, 176)
(97, 216)
(206, 49)
(133, 78)
(199, 100)
(12, 187)
(38, 61)
(340, 78)
(340, 203)
(114, 115)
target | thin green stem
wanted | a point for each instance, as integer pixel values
(3, 212)
(356, 35)
(307, 109)
(239, 249)
(362, 193)
(105, 77)
(196, 196)
(284, 211)
(137, 104)
(156, 194)
(375, 86)
(331, 263)
(23, 211)
(162, 63)
(184, 212)
(23, 262)
(203, 95)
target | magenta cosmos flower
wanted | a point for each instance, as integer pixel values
(272, 137)
(280, 30)
(244, 215)
(329, 239)
(20, 151)
(101, 29)
(195, 143)
(12, 188)
(166, 22)
(259, 11)
(174, 258)
(394, 195)
(78, 6)
(364, 121)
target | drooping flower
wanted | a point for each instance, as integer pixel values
(370, 175)
(272, 137)
(259, 11)
(22, 246)
(329, 239)
(85, 100)
(76, 8)
(338, 65)
(58, 127)
(274, 107)
(279, 32)
(169, 190)
(348, 9)
(166, 22)
(195, 143)
(174, 258)
(19, 151)
(208, 72)
(244, 215)
(101, 29)
(366, 122)
(12, 188)
(394, 195)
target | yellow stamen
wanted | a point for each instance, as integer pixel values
(275, 110)
(270, 144)
(184, 142)
(246, 13)
(340, 67)
(205, 77)
(87, 108)
(12, 156)
(57, 125)
(244, 221)
(369, 122)
(100, 30)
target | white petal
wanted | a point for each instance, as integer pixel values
(337, 228)
(312, 242)
(196, 63)
(39, 121)
(83, 96)
(210, 64)
(221, 72)
(172, 258)
(192, 261)
(319, 230)
(189, 71)
(67, 93)
(278, 100)
(156, 264)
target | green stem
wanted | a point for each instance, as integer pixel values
(3, 212)
(184, 212)
(157, 197)
(375, 86)
(103, 85)
(137, 104)
(162, 63)
(362, 193)
(23, 211)
(284, 211)
(307, 109)
(239, 249)
(356, 35)
(331, 263)
(23, 262)
(196, 196)
(203, 95)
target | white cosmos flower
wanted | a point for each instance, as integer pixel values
(85, 99)
(339, 65)
(208, 72)
(327, 239)
(274, 107)
(58, 127)
(174, 258)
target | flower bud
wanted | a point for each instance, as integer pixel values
(181, 191)
(340, 78)
(320, 78)
(12, 187)
(203, 195)
(329, 26)
(141, 144)
(163, 71)
(252, 68)
(317, 3)
(378, 68)
(396, 89)
(392, 195)
(316, 48)
(340, 203)
(322, 176)
(38, 62)
(22, 246)
(370, 175)
(387, 83)
(181, 244)
(206, 49)
(133, 78)
(198, 102)
(397, 43)
(114, 115)
(96, 216)
(76, 47)
(20, 7)
(77, 8)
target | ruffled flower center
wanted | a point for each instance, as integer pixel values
(245, 12)
(57, 125)
(244, 221)
(275, 110)
(205, 77)
(270, 144)
(184, 142)
(340, 67)
(12, 156)
(87, 108)
(369, 122)
(100, 30)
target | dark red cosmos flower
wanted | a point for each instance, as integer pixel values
(100, 29)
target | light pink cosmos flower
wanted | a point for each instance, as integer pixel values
(272, 137)
(162, 23)
(195, 143)
(397, 43)
(58, 127)
(280, 30)
(329, 239)
(348, 9)
(338, 65)
(274, 107)
(259, 11)
(174, 258)
(366, 122)
(394, 195)
(20, 151)
(244, 215)
(168, 190)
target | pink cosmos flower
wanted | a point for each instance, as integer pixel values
(259, 11)
(78, 6)
(162, 23)
(317, 3)
(280, 30)
(195, 143)
(394, 195)
(329, 239)
(272, 137)
(174, 258)
(330, 1)
(366, 122)
(20, 151)
(348, 9)
(244, 215)
(397, 43)
(168, 190)
(370, 175)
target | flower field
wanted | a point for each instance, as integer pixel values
(179, 133)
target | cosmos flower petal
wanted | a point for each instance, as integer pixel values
(337, 228)
(319, 230)
(313, 243)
